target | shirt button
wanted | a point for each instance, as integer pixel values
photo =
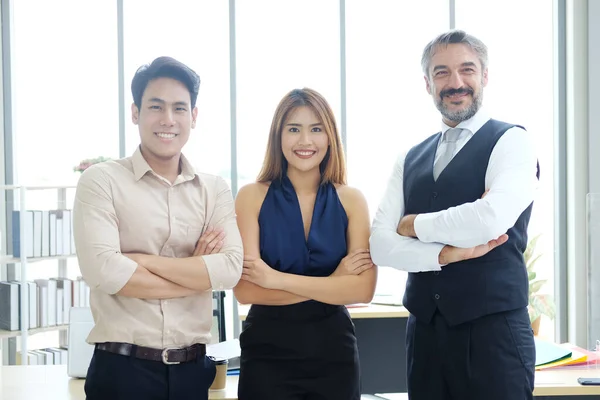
(437, 296)
(165, 302)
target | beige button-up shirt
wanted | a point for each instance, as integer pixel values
(124, 207)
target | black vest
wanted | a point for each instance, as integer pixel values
(469, 289)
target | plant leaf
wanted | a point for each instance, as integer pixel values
(542, 304)
(534, 287)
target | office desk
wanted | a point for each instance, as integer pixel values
(50, 382)
(562, 384)
(380, 333)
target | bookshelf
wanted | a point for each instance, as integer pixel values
(24, 258)
(12, 334)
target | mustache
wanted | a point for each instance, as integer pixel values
(451, 92)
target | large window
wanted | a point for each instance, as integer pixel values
(293, 45)
(197, 34)
(389, 109)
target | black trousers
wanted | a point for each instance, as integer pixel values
(304, 351)
(116, 377)
(491, 358)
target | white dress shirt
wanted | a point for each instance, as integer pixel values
(510, 178)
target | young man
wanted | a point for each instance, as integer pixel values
(455, 217)
(153, 239)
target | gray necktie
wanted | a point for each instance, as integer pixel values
(450, 138)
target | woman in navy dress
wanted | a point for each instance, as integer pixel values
(306, 241)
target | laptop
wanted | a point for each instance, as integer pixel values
(80, 353)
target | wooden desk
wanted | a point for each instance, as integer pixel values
(50, 382)
(562, 384)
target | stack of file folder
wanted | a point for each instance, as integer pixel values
(552, 355)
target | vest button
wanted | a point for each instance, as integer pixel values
(437, 296)
(436, 272)
(434, 195)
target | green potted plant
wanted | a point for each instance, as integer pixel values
(539, 304)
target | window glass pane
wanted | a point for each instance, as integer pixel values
(293, 45)
(517, 95)
(64, 87)
(197, 34)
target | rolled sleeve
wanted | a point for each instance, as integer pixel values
(225, 268)
(96, 234)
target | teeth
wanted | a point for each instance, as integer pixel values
(166, 135)
(305, 153)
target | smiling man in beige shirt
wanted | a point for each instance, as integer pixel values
(153, 239)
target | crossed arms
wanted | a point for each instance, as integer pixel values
(426, 242)
(352, 282)
(147, 276)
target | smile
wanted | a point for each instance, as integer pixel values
(165, 135)
(305, 153)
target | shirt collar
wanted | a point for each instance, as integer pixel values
(472, 125)
(141, 166)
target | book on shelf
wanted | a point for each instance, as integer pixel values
(50, 301)
(48, 233)
(47, 356)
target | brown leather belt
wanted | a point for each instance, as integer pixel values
(167, 356)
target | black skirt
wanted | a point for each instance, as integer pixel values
(300, 351)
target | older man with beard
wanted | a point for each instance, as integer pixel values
(455, 216)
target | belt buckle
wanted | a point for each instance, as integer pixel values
(165, 357)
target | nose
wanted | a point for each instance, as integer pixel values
(455, 81)
(304, 138)
(167, 118)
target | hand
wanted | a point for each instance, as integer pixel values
(354, 263)
(451, 254)
(210, 242)
(406, 227)
(258, 272)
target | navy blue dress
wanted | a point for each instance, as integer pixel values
(306, 350)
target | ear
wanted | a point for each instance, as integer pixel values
(484, 79)
(427, 86)
(194, 117)
(135, 114)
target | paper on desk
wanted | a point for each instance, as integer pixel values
(228, 349)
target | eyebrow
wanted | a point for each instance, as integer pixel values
(161, 101)
(465, 64)
(311, 125)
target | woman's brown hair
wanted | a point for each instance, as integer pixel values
(333, 166)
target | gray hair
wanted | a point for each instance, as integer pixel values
(454, 37)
